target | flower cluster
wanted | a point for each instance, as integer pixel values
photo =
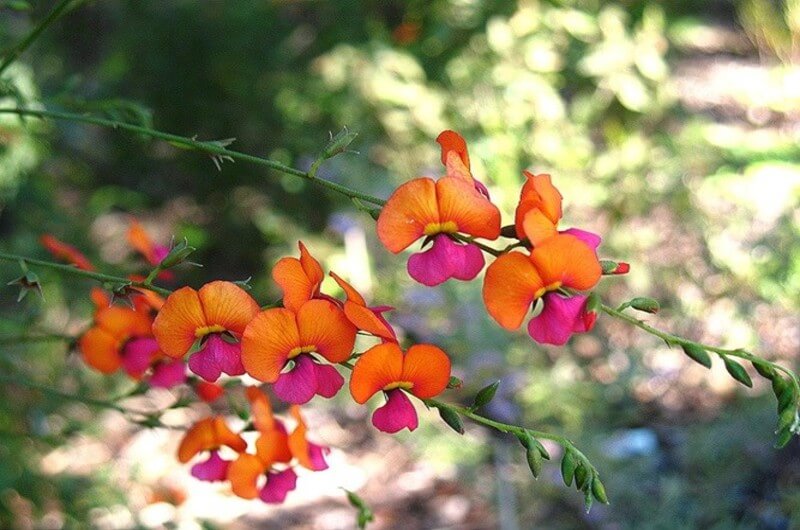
(552, 266)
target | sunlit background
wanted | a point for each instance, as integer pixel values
(671, 128)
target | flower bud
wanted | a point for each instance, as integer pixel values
(648, 305)
(614, 267)
(177, 255)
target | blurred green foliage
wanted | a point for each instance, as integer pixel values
(700, 193)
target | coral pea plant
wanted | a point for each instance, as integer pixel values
(218, 340)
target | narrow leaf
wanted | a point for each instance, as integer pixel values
(738, 372)
(485, 395)
(697, 354)
(765, 370)
(452, 419)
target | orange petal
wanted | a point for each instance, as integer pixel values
(200, 437)
(228, 305)
(261, 409)
(472, 213)
(243, 474)
(299, 279)
(325, 326)
(139, 239)
(267, 341)
(310, 265)
(175, 325)
(273, 447)
(452, 142)
(100, 298)
(511, 285)
(100, 350)
(565, 260)
(537, 227)
(349, 291)
(298, 444)
(123, 322)
(428, 368)
(65, 252)
(379, 366)
(538, 192)
(225, 436)
(365, 319)
(408, 211)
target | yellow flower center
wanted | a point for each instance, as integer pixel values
(405, 385)
(555, 286)
(448, 227)
(301, 349)
(207, 330)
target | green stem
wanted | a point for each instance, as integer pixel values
(210, 147)
(467, 239)
(671, 339)
(71, 269)
(20, 381)
(27, 339)
(25, 43)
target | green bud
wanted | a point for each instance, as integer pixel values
(593, 303)
(582, 474)
(534, 458)
(764, 370)
(177, 255)
(598, 490)
(784, 437)
(452, 419)
(697, 354)
(485, 395)
(648, 305)
(738, 372)
(339, 143)
(587, 499)
(568, 466)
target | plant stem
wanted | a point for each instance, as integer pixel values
(27, 339)
(25, 43)
(71, 269)
(671, 339)
(211, 147)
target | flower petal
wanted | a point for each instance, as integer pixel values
(65, 252)
(167, 374)
(243, 474)
(299, 384)
(329, 380)
(510, 286)
(537, 227)
(538, 192)
(228, 305)
(406, 213)
(138, 354)
(100, 350)
(452, 142)
(123, 322)
(209, 392)
(217, 356)
(267, 341)
(366, 319)
(444, 260)
(140, 240)
(309, 455)
(278, 486)
(214, 469)
(397, 414)
(377, 367)
(261, 409)
(325, 326)
(565, 260)
(349, 291)
(560, 317)
(428, 368)
(176, 323)
(273, 446)
(299, 279)
(591, 239)
(461, 203)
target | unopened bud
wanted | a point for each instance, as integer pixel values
(177, 255)
(648, 305)
(339, 143)
(614, 267)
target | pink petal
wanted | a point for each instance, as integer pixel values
(560, 318)
(482, 189)
(593, 240)
(444, 260)
(299, 384)
(212, 470)
(159, 253)
(217, 356)
(329, 380)
(278, 486)
(317, 454)
(168, 374)
(396, 414)
(137, 355)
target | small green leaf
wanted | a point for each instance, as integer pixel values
(738, 372)
(542, 450)
(786, 399)
(598, 490)
(643, 303)
(452, 419)
(786, 418)
(485, 395)
(364, 515)
(535, 461)
(582, 474)
(765, 370)
(697, 354)
(568, 465)
(784, 437)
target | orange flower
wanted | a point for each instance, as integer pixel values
(139, 239)
(209, 434)
(309, 455)
(369, 319)
(539, 209)
(423, 371)
(65, 252)
(299, 279)
(515, 280)
(437, 210)
(216, 316)
(279, 338)
(103, 344)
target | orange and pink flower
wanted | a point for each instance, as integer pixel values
(423, 371)
(65, 252)
(209, 435)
